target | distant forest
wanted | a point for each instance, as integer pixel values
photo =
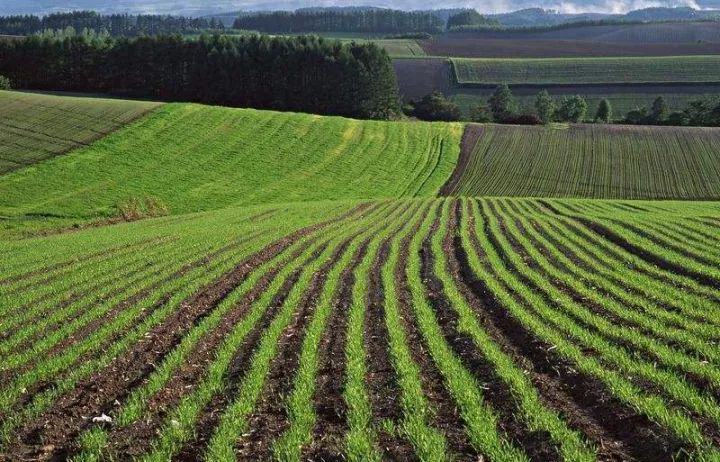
(370, 20)
(117, 25)
(306, 74)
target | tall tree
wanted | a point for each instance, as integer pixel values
(604, 111)
(572, 109)
(545, 106)
(659, 111)
(502, 102)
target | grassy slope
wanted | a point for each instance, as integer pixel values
(34, 127)
(595, 162)
(194, 157)
(671, 69)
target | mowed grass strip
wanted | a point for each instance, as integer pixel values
(579, 71)
(35, 127)
(594, 161)
(192, 157)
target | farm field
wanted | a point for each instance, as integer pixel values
(587, 71)
(396, 48)
(670, 32)
(468, 47)
(196, 157)
(462, 329)
(35, 127)
(592, 161)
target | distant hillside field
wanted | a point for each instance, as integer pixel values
(671, 32)
(468, 47)
(587, 71)
(193, 157)
(589, 161)
(35, 127)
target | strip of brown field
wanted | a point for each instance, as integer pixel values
(382, 384)
(50, 436)
(447, 418)
(537, 445)
(579, 299)
(270, 418)
(471, 135)
(548, 48)
(617, 430)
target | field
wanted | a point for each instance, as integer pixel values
(592, 161)
(587, 71)
(309, 296)
(396, 48)
(197, 157)
(468, 47)
(507, 329)
(35, 127)
(667, 33)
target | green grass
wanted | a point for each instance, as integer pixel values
(36, 127)
(575, 71)
(594, 161)
(192, 157)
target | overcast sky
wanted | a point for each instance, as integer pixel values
(199, 7)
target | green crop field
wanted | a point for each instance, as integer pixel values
(309, 297)
(396, 48)
(35, 127)
(593, 161)
(199, 158)
(579, 71)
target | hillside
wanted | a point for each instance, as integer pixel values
(588, 71)
(35, 127)
(591, 161)
(192, 157)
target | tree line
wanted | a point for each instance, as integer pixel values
(383, 21)
(117, 25)
(501, 107)
(307, 74)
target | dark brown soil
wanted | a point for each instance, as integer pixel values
(270, 418)
(136, 438)
(537, 445)
(447, 416)
(382, 385)
(618, 431)
(331, 424)
(50, 435)
(470, 137)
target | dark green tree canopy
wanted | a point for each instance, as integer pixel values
(545, 107)
(502, 102)
(604, 111)
(469, 18)
(305, 74)
(572, 109)
(435, 107)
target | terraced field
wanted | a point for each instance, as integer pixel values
(591, 161)
(35, 127)
(503, 329)
(193, 157)
(587, 71)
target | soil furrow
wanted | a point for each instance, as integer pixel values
(537, 445)
(447, 417)
(50, 435)
(270, 418)
(618, 431)
(383, 388)
(470, 137)
(329, 403)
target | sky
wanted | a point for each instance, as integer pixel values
(201, 7)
